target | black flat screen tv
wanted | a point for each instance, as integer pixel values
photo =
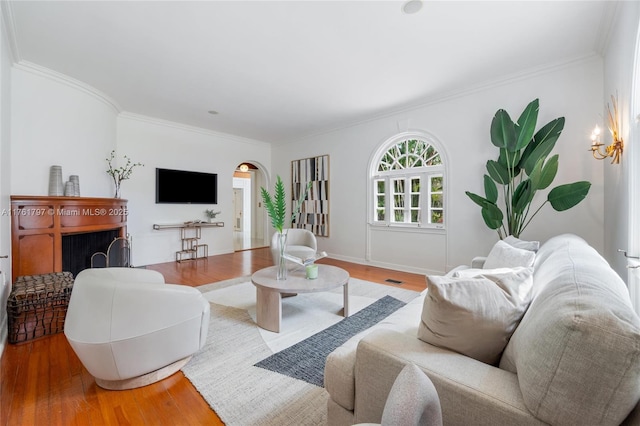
(186, 187)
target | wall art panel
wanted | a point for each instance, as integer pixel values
(314, 212)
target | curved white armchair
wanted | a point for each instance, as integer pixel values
(130, 329)
(300, 243)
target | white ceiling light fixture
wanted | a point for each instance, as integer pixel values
(412, 6)
(244, 168)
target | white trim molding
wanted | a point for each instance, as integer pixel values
(68, 81)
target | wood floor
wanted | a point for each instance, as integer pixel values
(43, 382)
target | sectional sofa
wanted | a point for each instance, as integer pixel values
(567, 351)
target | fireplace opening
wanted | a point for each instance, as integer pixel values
(77, 249)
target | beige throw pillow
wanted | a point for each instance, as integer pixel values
(475, 315)
(504, 255)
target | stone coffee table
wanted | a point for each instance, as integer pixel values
(270, 291)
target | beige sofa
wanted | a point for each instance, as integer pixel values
(574, 358)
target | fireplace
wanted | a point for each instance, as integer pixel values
(44, 228)
(77, 249)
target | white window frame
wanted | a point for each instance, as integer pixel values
(425, 174)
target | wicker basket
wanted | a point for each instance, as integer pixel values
(37, 305)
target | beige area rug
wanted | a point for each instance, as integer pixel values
(224, 372)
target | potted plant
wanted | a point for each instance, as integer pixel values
(276, 209)
(211, 215)
(522, 169)
(118, 174)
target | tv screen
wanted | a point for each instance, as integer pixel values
(185, 187)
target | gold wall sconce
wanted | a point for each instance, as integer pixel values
(615, 149)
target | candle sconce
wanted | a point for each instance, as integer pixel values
(617, 146)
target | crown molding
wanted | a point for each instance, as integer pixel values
(68, 81)
(453, 94)
(9, 29)
(193, 129)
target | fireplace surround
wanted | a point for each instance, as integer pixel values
(38, 225)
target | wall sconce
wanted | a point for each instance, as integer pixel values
(615, 149)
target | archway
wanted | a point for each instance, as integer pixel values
(249, 219)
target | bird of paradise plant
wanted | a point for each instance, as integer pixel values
(522, 168)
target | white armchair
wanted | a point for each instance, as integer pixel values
(130, 329)
(300, 243)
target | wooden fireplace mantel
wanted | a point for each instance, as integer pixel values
(38, 224)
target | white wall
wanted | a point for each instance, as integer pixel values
(5, 179)
(618, 78)
(162, 144)
(58, 122)
(461, 123)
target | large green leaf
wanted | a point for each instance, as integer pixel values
(490, 189)
(527, 124)
(481, 201)
(536, 176)
(492, 216)
(548, 172)
(564, 197)
(547, 136)
(510, 160)
(498, 172)
(539, 153)
(522, 197)
(503, 132)
(276, 206)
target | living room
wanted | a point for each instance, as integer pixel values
(49, 117)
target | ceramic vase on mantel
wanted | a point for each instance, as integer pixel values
(281, 267)
(56, 187)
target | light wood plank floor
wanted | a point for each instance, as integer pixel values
(43, 382)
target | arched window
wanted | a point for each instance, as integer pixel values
(408, 181)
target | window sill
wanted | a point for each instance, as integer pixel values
(431, 229)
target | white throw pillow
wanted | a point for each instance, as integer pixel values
(522, 244)
(476, 315)
(503, 255)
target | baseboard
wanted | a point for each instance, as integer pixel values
(385, 265)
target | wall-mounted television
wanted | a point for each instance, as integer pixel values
(186, 187)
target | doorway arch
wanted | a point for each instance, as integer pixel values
(249, 221)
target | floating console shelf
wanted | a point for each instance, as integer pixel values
(188, 225)
(190, 234)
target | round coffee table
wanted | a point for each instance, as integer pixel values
(269, 291)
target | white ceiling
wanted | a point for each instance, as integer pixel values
(279, 70)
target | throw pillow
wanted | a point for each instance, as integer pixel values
(522, 244)
(503, 255)
(475, 316)
(413, 400)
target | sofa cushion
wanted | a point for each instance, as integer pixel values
(577, 349)
(476, 312)
(533, 246)
(339, 378)
(504, 255)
